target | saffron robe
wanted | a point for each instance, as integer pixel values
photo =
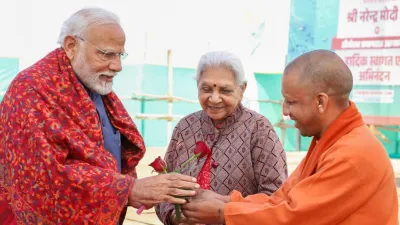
(54, 168)
(346, 178)
(245, 146)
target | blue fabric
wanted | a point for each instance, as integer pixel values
(111, 136)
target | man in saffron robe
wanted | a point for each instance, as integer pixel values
(346, 177)
(68, 148)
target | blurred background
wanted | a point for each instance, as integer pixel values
(165, 39)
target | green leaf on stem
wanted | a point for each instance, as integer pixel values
(178, 213)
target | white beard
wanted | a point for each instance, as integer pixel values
(91, 79)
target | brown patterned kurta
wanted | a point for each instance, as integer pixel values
(250, 156)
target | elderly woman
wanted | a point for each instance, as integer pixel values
(246, 152)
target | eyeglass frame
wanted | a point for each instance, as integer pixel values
(122, 55)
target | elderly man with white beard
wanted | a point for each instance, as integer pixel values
(68, 148)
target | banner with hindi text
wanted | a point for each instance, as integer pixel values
(366, 34)
(368, 40)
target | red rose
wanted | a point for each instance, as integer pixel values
(159, 165)
(202, 149)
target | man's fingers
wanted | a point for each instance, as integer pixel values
(149, 206)
(174, 200)
(185, 184)
(191, 206)
(199, 191)
(177, 176)
(184, 211)
(136, 204)
(181, 192)
(189, 219)
(164, 188)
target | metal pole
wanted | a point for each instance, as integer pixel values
(170, 94)
(298, 136)
(142, 111)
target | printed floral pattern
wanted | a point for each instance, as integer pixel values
(52, 145)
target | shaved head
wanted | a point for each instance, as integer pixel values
(316, 88)
(322, 71)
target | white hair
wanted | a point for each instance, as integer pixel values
(225, 59)
(80, 21)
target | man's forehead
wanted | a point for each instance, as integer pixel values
(290, 78)
(106, 32)
(291, 87)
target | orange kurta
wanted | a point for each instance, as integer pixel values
(346, 178)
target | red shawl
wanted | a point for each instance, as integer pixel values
(54, 168)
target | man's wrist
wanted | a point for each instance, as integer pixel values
(221, 214)
(132, 195)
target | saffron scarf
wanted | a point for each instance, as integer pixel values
(345, 123)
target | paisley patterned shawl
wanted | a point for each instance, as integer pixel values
(55, 167)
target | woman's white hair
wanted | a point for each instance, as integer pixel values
(218, 59)
(80, 21)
